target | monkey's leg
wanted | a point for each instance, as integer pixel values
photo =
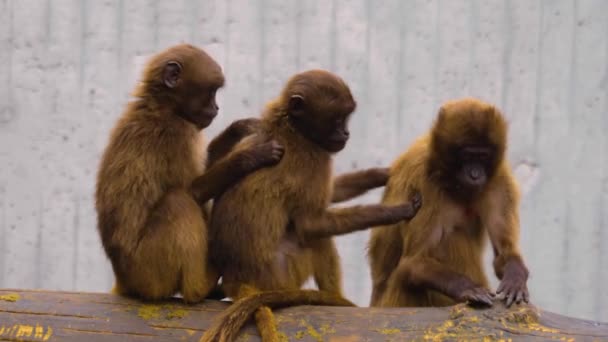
(423, 272)
(173, 251)
(327, 269)
(378, 291)
(353, 184)
(221, 145)
(347, 220)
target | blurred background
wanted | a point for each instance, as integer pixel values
(67, 67)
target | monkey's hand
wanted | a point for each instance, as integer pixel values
(245, 127)
(408, 210)
(513, 286)
(265, 154)
(477, 295)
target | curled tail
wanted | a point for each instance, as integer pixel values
(230, 322)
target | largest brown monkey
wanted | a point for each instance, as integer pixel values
(469, 192)
(152, 183)
(282, 232)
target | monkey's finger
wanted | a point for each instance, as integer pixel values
(501, 288)
(483, 299)
(519, 297)
(510, 298)
(487, 299)
(526, 296)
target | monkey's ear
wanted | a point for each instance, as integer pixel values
(296, 105)
(171, 73)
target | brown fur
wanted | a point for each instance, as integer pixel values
(436, 258)
(151, 182)
(281, 234)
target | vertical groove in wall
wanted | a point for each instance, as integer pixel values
(567, 226)
(333, 39)
(47, 22)
(83, 51)
(436, 57)
(76, 250)
(38, 244)
(400, 78)
(3, 243)
(194, 7)
(298, 29)
(261, 51)
(10, 54)
(506, 55)
(601, 231)
(599, 236)
(119, 33)
(539, 80)
(227, 36)
(473, 30)
(366, 76)
(156, 24)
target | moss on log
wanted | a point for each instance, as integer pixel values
(68, 316)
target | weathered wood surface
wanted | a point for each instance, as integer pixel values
(70, 316)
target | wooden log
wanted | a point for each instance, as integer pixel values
(68, 316)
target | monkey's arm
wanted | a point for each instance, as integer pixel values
(221, 145)
(347, 220)
(353, 184)
(231, 169)
(502, 223)
(426, 272)
(327, 270)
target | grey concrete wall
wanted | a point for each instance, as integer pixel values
(67, 66)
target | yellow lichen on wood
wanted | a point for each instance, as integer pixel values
(149, 312)
(11, 297)
(327, 329)
(25, 331)
(387, 331)
(176, 313)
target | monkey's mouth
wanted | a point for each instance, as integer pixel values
(207, 116)
(335, 145)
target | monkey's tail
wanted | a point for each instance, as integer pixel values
(230, 322)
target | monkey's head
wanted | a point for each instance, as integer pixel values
(468, 142)
(184, 80)
(318, 105)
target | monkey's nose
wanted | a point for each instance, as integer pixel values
(475, 173)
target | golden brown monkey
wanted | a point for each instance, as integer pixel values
(282, 232)
(461, 172)
(151, 184)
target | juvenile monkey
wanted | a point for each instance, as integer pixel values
(151, 184)
(281, 233)
(461, 171)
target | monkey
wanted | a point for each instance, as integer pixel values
(273, 230)
(152, 184)
(469, 191)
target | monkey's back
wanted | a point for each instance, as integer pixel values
(251, 222)
(137, 167)
(385, 247)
